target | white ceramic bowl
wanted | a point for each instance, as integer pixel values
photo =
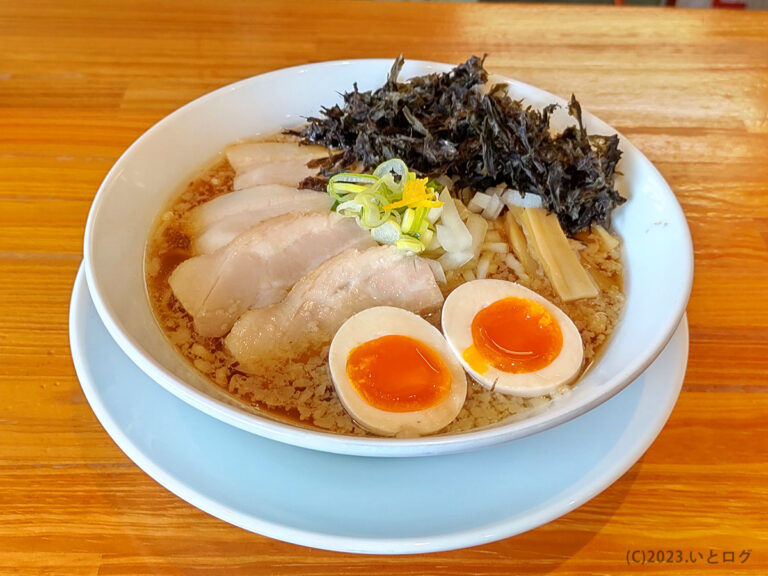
(658, 255)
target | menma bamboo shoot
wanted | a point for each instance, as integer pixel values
(560, 263)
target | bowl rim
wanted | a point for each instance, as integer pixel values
(371, 446)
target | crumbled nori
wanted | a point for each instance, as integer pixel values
(317, 183)
(448, 124)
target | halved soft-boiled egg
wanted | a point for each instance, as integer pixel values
(511, 339)
(395, 374)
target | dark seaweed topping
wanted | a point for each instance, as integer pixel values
(450, 124)
(317, 183)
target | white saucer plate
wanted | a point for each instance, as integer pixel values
(361, 504)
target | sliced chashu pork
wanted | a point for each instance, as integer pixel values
(325, 298)
(286, 172)
(258, 267)
(218, 221)
(265, 186)
(247, 155)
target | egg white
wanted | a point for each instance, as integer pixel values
(467, 300)
(382, 321)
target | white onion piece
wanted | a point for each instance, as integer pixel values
(449, 240)
(483, 264)
(514, 265)
(514, 198)
(454, 260)
(480, 201)
(451, 232)
(434, 214)
(477, 226)
(495, 247)
(493, 209)
(437, 270)
(462, 210)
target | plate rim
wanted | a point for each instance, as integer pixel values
(361, 545)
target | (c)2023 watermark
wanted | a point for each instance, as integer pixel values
(644, 556)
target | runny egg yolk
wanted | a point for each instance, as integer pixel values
(398, 373)
(514, 335)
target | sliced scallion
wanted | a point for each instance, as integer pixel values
(410, 244)
(393, 203)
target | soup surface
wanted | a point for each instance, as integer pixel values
(300, 390)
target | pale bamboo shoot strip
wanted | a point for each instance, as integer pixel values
(518, 243)
(610, 242)
(560, 263)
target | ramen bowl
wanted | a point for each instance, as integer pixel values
(657, 252)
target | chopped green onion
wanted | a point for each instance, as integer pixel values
(435, 185)
(347, 187)
(394, 166)
(387, 233)
(409, 218)
(397, 207)
(349, 207)
(410, 244)
(426, 237)
(347, 182)
(421, 223)
(351, 177)
(371, 215)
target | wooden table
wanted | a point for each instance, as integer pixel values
(79, 81)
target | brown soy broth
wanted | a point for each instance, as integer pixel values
(169, 243)
(604, 281)
(168, 246)
(284, 390)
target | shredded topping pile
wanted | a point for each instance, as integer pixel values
(453, 124)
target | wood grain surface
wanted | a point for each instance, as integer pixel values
(80, 80)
